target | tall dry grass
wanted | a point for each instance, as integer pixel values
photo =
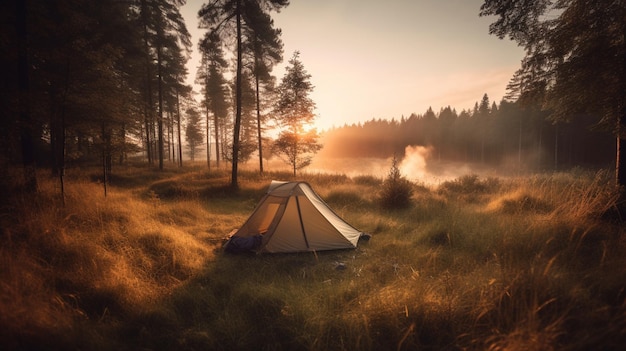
(93, 259)
(499, 264)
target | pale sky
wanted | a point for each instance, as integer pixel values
(385, 59)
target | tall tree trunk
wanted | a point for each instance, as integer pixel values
(61, 155)
(147, 118)
(208, 138)
(258, 114)
(217, 140)
(620, 162)
(148, 111)
(105, 158)
(57, 145)
(540, 145)
(26, 128)
(104, 173)
(171, 142)
(234, 184)
(556, 146)
(155, 144)
(160, 117)
(180, 144)
(519, 144)
(167, 135)
(123, 140)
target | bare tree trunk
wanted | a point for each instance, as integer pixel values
(180, 144)
(105, 168)
(26, 130)
(217, 140)
(148, 139)
(148, 110)
(620, 162)
(234, 184)
(208, 138)
(519, 144)
(258, 115)
(171, 140)
(556, 146)
(620, 169)
(540, 146)
(160, 118)
(123, 139)
(61, 155)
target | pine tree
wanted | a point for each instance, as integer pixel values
(575, 59)
(193, 132)
(218, 16)
(396, 191)
(214, 87)
(265, 50)
(294, 110)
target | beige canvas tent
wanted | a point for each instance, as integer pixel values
(291, 217)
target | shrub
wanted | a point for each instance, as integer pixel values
(396, 190)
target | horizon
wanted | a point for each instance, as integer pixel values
(439, 55)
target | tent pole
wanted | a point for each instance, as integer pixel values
(301, 223)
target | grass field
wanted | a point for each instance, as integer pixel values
(533, 263)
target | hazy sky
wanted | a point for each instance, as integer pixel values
(384, 59)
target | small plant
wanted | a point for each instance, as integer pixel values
(396, 190)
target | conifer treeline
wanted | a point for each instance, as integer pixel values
(491, 134)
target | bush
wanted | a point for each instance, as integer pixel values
(396, 190)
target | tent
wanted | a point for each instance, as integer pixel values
(291, 217)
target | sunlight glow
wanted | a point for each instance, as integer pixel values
(369, 60)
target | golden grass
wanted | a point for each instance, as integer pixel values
(499, 264)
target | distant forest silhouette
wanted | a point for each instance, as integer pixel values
(96, 83)
(496, 135)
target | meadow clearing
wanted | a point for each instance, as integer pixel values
(474, 263)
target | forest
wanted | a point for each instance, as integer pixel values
(77, 93)
(99, 82)
(506, 136)
(120, 183)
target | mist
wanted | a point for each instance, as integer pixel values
(417, 165)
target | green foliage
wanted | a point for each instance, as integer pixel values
(396, 190)
(294, 109)
(296, 150)
(294, 106)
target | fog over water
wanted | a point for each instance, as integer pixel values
(417, 165)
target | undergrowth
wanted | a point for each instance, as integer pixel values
(500, 264)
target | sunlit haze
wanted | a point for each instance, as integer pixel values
(374, 59)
